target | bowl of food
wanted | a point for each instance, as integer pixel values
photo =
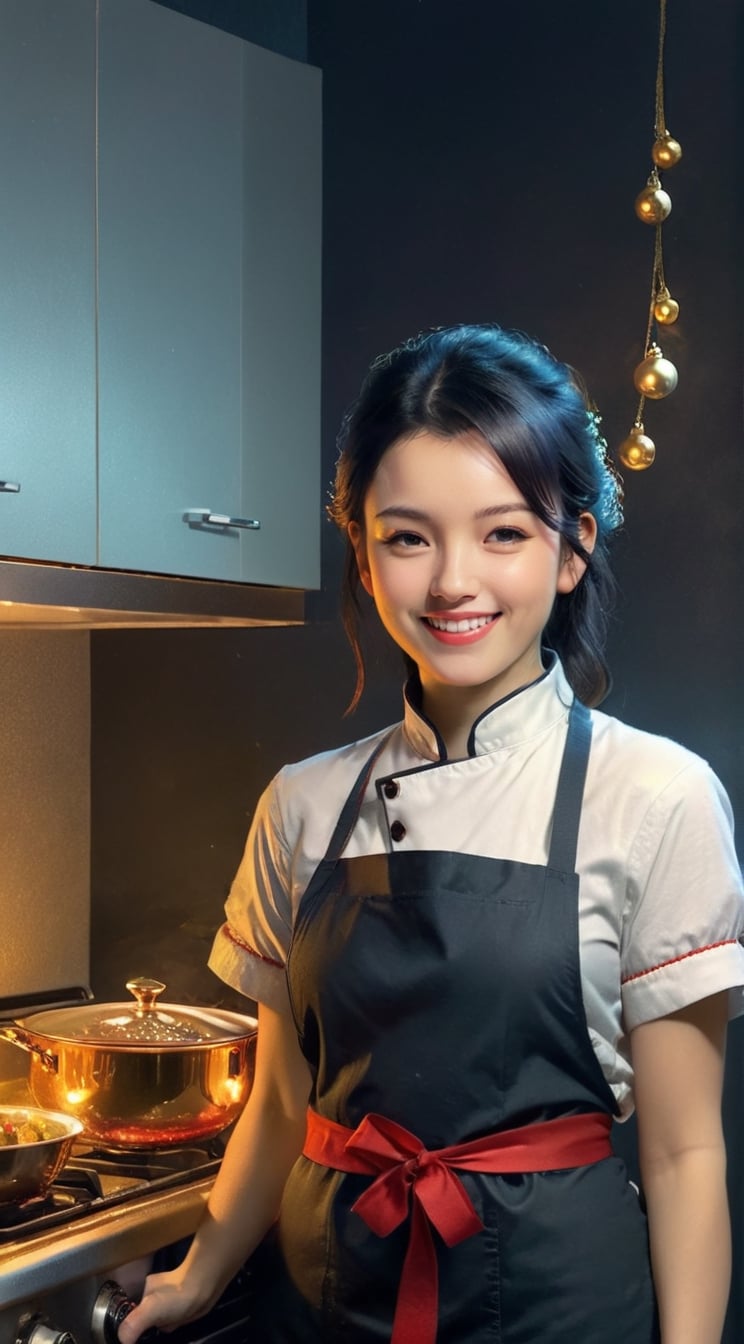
(34, 1146)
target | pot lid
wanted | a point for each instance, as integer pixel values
(141, 1022)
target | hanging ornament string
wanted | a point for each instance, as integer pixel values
(655, 377)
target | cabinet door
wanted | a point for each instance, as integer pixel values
(281, 319)
(47, 256)
(170, 184)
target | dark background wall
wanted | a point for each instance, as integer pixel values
(481, 162)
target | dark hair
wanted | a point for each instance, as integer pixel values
(534, 413)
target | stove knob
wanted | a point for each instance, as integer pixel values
(109, 1310)
(36, 1330)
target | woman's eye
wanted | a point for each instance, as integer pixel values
(405, 539)
(506, 535)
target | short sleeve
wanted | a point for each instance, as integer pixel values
(685, 913)
(250, 949)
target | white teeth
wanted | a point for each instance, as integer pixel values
(459, 627)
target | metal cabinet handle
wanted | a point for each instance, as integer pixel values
(10, 487)
(195, 517)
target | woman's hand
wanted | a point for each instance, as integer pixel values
(168, 1300)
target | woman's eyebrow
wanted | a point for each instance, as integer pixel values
(419, 515)
(495, 510)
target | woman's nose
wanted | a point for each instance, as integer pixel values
(454, 576)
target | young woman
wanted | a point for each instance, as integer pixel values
(479, 935)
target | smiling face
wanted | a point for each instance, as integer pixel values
(463, 574)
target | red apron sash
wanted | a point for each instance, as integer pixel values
(405, 1170)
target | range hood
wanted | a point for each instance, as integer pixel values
(50, 597)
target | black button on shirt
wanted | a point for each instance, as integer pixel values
(397, 830)
(390, 788)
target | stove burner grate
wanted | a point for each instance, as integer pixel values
(96, 1178)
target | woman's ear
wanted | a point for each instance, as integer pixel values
(573, 568)
(358, 542)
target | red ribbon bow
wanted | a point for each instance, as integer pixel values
(410, 1175)
(439, 1198)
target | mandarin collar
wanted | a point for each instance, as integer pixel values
(524, 714)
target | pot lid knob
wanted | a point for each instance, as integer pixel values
(146, 992)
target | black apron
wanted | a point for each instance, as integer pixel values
(443, 991)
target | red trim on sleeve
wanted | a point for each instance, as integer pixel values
(725, 942)
(245, 947)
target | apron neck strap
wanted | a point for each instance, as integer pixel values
(351, 808)
(570, 792)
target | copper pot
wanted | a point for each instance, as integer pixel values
(141, 1074)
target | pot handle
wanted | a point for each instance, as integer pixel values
(17, 1035)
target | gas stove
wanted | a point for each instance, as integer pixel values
(110, 1191)
(71, 1261)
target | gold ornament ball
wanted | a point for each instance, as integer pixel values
(666, 151)
(637, 451)
(655, 376)
(666, 309)
(653, 205)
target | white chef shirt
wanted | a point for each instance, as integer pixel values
(661, 908)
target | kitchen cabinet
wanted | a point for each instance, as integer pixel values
(169, 267)
(194, 355)
(47, 316)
